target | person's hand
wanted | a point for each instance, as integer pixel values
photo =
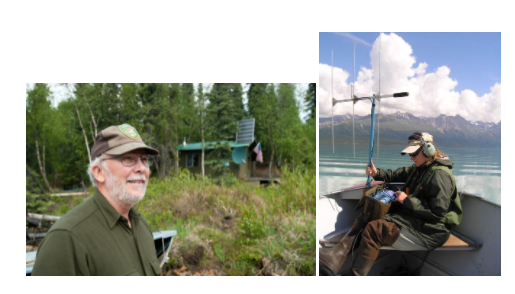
(371, 171)
(400, 196)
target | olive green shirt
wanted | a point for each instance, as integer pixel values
(93, 239)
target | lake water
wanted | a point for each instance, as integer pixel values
(477, 170)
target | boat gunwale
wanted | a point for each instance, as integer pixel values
(376, 183)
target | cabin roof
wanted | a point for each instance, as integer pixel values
(208, 145)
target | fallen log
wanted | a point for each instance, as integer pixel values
(44, 217)
(33, 236)
(67, 194)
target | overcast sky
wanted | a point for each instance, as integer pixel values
(473, 92)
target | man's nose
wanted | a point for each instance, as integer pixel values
(139, 164)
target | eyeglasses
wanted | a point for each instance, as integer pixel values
(132, 159)
(414, 154)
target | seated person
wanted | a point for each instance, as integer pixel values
(421, 219)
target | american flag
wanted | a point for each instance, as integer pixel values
(259, 153)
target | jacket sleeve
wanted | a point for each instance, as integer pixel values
(433, 203)
(387, 175)
(61, 254)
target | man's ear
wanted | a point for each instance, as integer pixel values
(99, 174)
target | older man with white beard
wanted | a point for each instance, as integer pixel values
(105, 235)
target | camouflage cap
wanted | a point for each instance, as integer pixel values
(117, 140)
(416, 141)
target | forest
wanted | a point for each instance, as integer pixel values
(59, 139)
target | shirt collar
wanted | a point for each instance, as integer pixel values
(111, 215)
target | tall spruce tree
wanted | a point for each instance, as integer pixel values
(289, 125)
(308, 142)
(235, 91)
(160, 119)
(222, 116)
(310, 100)
(256, 97)
(186, 106)
(255, 103)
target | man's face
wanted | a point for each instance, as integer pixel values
(127, 184)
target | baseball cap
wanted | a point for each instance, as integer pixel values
(415, 142)
(117, 140)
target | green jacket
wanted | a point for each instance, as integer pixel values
(433, 205)
(93, 239)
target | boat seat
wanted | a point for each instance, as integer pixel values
(457, 242)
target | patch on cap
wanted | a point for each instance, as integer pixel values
(129, 131)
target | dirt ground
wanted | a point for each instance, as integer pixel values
(183, 271)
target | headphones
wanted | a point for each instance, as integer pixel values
(427, 147)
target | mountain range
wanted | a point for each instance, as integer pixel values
(454, 131)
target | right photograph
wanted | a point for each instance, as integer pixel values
(409, 167)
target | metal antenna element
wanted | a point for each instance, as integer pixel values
(352, 96)
(332, 107)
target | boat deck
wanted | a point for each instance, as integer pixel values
(473, 249)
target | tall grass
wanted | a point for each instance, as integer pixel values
(245, 230)
(234, 228)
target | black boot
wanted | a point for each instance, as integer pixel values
(332, 259)
(361, 266)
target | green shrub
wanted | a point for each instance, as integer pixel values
(229, 180)
(251, 226)
(37, 203)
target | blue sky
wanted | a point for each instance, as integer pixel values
(460, 69)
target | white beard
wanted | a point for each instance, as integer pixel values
(118, 190)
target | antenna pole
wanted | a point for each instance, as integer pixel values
(332, 107)
(379, 109)
(371, 147)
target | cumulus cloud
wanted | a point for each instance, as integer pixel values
(431, 93)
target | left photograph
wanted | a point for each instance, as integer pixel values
(169, 179)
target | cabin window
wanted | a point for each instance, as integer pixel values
(192, 160)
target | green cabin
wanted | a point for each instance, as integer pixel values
(190, 155)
